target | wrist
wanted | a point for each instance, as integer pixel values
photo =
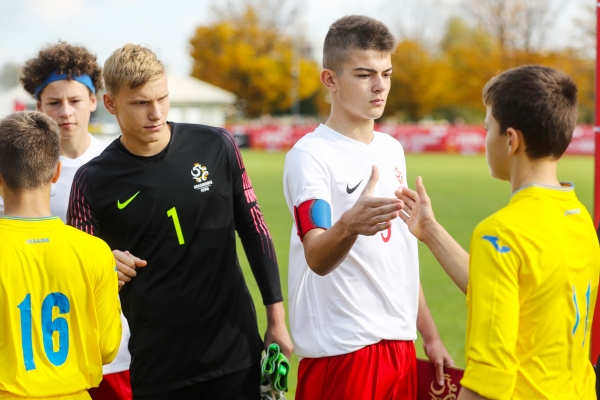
(344, 227)
(275, 314)
(430, 335)
(429, 232)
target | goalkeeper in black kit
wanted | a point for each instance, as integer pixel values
(174, 195)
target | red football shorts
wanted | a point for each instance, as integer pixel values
(115, 386)
(383, 371)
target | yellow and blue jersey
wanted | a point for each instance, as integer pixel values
(533, 282)
(59, 308)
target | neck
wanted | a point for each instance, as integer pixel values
(359, 129)
(146, 149)
(525, 171)
(27, 203)
(75, 146)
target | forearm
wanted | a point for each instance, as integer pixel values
(326, 249)
(451, 256)
(425, 324)
(264, 267)
(275, 314)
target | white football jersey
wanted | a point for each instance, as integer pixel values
(373, 294)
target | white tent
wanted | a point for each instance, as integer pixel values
(196, 101)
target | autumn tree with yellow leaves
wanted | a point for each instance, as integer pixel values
(446, 81)
(251, 56)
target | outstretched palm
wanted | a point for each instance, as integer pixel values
(418, 213)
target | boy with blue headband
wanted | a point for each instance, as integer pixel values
(64, 80)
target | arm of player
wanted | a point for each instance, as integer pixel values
(418, 216)
(259, 248)
(81, 215)
(326, 249)
(493, 316)
(108, 307)
(432, 344)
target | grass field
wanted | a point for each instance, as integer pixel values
(462, 192)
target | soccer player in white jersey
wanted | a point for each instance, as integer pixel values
(354, 293)
(64, 80)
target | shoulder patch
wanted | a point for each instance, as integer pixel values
(494, 241)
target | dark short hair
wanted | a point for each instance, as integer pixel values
(64, 58)
(540, 102)
(355, 32)
(29, 150)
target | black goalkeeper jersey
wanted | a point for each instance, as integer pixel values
(190, 312)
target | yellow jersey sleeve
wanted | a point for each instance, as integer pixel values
(108, 307)
(493, 314)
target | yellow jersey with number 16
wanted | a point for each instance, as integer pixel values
(533, 282)
(59, 308)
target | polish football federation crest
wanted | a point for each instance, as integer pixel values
(200, 175)
(399, 176)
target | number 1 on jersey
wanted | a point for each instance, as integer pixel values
(173, 214)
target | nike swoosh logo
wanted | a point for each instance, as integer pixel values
(123, 205)
(350, 191)
(494, 241)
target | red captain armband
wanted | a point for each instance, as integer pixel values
(312, 214)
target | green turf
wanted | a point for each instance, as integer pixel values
(462, 192)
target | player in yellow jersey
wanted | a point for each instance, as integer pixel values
(59, 305)
(531, 278)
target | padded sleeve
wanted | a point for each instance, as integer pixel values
(81, 214)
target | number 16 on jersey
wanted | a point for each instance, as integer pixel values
(49, 326)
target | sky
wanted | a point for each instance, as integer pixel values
(167, 26)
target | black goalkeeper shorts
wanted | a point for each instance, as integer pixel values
(242, 385)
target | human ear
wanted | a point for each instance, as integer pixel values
(38, 106)
(57, 172)
(94, 102)
(328, 79)
(109, 103)
(515, 140)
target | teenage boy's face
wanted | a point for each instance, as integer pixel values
(70, 104)
(496, 147)
(142, 112)
(362, 88)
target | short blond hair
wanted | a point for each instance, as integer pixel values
(132, 66)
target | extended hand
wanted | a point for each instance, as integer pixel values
(418, 213)
(126, 265)
(439, 357)
(369, 214)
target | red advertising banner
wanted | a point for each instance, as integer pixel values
(463, 139)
